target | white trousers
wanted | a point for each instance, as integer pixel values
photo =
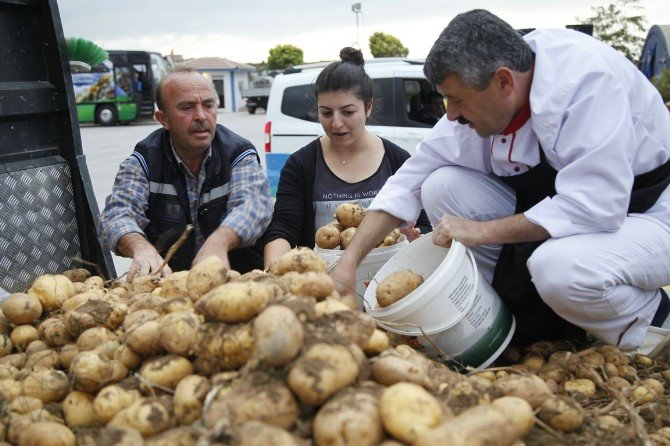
(606, 283)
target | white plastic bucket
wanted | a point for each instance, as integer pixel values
(454, 315)
(368, 267)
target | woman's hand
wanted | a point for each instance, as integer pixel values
(410, 232)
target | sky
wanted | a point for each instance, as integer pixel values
(245, 30)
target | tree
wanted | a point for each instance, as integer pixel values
(386, 45)
(283, 56)
(618, 26)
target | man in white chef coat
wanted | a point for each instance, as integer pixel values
(552, 165)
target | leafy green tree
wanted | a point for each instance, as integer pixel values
(386, 45)
(662, 84)
(619, 25)
(283, 56)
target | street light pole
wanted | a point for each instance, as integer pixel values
(356, 8)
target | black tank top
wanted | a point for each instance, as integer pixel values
(330, 190)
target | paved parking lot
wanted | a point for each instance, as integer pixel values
(106, 147)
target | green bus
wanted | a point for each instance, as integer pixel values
(122, 89)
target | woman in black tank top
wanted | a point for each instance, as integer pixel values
(347, 164)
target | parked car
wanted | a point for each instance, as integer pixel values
(402, 97)
(257, 94)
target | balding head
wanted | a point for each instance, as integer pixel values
(176, 72)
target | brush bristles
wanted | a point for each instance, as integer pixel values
(85, 51)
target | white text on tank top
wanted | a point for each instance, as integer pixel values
(330, 191)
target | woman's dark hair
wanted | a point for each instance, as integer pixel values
(347, 75)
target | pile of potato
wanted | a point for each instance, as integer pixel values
(212, 357)
(338, 233)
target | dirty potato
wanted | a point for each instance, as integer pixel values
(349, 215)
(327, 237)
(397, 285)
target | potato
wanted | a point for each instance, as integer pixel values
(278, 335)
(77, 274)
(139, 316)
(178, 332)
(91, 371)
(67, 352)
(256, 397)
(46, 433)
(45, 359)
(327, 237)
(503, 422)
(15, 359)
(353, 325)
(257, 433)
(108, 348)
(148, 416)
(126, 356)
(234, 301)
(95, 313)
(10, 389)
(116, 436)
(204, 276)
(22, 335)
(179, 436)
(6, 345)
(166, 371)
(561, 413)
(144, 338)
(34, 347)
(406, 364)
(319, 285)
(143, 284)
(54, 332)
(530, 388)
(111, 399)
(329, 306)
(392, 238)
(47, 385)
(351, 418)
(93, 337)
(145, 301)
(81, 298)
(321, 371)
(21, 308)
(407, 409)
(52, 290)
(174, 285)
(397, 285)
(78, 409)
(227, 346)
(189, 397)
(25, 404)
(177, 304)
(8, 371)
(584, 387)
(346, 236)
(349, 215)
(299, 260)
(94, 282)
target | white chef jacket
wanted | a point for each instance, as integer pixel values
(599, 121)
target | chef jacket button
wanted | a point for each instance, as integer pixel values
(516, 169)
(504, 140)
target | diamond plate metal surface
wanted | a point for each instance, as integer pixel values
(38, 226)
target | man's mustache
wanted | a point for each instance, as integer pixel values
(462, 120)
(199, 126)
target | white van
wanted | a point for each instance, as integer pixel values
(401, 94)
